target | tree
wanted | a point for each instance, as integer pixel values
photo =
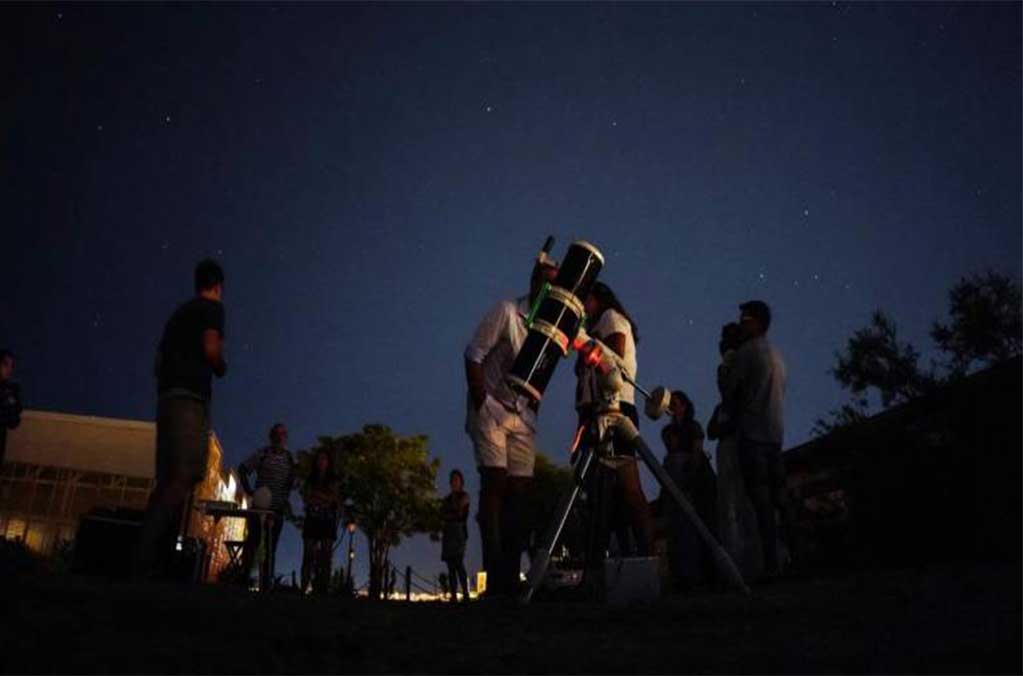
(875, 361)
(550, 483)
(984, 326)
(387, 482)
(875, 358)
(984, 322)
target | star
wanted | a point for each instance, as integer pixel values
(489, 109)
(99, 127)
(806, 212)
(167, 118)
(614, 123)
(60, 16)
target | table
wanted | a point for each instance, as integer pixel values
(219, 510)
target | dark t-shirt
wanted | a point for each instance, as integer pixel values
(183, 364)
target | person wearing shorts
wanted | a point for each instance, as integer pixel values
(502, 427)
(190, 353)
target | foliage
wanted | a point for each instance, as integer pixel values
(875, 358)
(984, 326)
(550, 483)
(984, 322)
(387, 482)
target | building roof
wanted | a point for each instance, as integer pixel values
(1000, 380)
(86, 443)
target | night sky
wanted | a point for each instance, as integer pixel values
(375, 177)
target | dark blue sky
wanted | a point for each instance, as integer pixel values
(374, 177)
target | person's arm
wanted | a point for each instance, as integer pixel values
(213, 339)
(464, 507)
(731, 381)
(487, 335)
(476, 381)
(244, 470)
(616, 341)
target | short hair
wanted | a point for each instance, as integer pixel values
(273, 434)
(208, 274)
(458, 473)
(5, 353)
(759, 310)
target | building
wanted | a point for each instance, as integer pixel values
(934, 479)
(60, 466)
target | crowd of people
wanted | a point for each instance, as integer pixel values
(740, 503)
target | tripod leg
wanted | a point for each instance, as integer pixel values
(538, 567)
(724, 563)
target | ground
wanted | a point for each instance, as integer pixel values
(947, 619)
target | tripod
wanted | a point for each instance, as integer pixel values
(611, 426)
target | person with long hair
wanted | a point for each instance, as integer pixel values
(608, 321)
(319, 530)
(455, 512)
(689, 467)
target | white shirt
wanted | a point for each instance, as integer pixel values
(610, 323)
(495, 344)
(757, 380)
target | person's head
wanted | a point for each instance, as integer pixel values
(322, 461)
(6, 365)
(456, 480)
(601, 299)
(731, 337)
(681, 407)
(278, 435)
(542, 272)
(209, 279)
(323, 467)
(754, 318)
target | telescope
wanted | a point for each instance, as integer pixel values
(555, 318)
(556, 325)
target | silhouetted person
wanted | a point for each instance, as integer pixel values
(689, 467)
(320, 492)
(274, 467)
(737, 521)
(610, 323)
(10, 400)
(190, 353)
(502, 426)
(455, 512)
(754, 389)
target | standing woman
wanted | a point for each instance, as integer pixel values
(689, 467)
(737, 522)
(609, 322)
(319, 531)
(455, 512)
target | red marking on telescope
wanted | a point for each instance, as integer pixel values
(562, 341)
(593, 357)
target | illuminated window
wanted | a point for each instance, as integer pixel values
(15, 529)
